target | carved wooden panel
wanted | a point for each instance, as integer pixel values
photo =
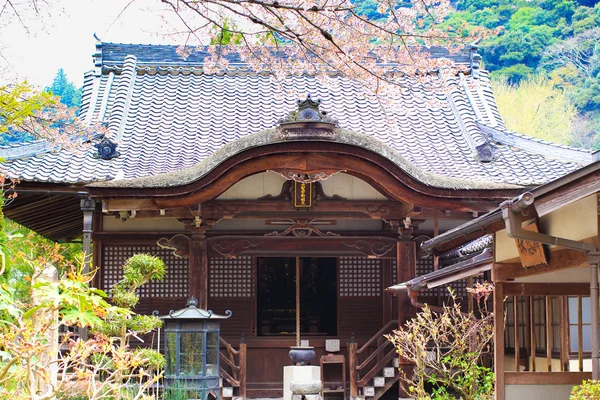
(175, 283)
(360, 276)
(231, 277)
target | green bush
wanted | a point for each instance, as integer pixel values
(588, 390)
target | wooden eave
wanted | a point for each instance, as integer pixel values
(51, 210)
(548, 198)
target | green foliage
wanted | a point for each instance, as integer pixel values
(20, 102)
(536, 108)
(65, 89)
(446, 348)
(588, 390)
(226, 35)
(137, 271)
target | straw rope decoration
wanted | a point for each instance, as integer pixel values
(297, 301)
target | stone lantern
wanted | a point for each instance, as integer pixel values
(192, 337)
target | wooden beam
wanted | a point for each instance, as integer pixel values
(499, 341)
(233, 246)
(546, 378)
(546, 289)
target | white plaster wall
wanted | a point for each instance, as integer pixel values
(577, 221)
(255, 186)
(265, 183)
(537, 392)
(110, 223)
(350, 187)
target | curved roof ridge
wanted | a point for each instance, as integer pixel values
(540, 146)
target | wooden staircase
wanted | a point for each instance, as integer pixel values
(378, 371)
(233, 371)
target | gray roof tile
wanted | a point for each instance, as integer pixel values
(168, 115)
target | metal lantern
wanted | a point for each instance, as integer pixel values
(192, 337)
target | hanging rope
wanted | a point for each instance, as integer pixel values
(297, 301)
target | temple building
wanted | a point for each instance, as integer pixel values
(230, 179)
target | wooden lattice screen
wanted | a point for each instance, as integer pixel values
(174, 285)
(360, 276)
(231, 277)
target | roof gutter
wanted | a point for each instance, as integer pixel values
(495, 216)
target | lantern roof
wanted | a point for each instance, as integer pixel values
(192, 312)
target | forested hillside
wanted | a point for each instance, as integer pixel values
(546, 54)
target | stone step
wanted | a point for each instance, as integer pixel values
(389, 372)
(379, 381)
(369, 391)
(395, 362)
(227, 392)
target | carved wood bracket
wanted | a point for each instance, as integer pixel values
(302, 228)
(180, 244)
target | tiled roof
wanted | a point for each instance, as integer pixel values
(167, 115)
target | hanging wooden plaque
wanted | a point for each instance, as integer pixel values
(303, 194)
(531, 253)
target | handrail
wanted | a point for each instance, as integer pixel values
(372, 356)
(237, 370)
(229, 379)
(229, 362)
(376, 336)
(382, 363)
(228, 346)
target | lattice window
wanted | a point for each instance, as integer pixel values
(360, 276)
(175, 283)
(425, 266)
(231, 277)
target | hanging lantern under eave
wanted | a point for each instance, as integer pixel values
(192, 340)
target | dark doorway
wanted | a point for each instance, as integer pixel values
(276, 296)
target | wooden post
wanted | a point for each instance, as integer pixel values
(516, 331)
(386, 265)
(594, 317)
(549, 334)
(198, 267)
(532, 332)
(499, 340)
(406, 263)
(88, 206)
(243, 357)
(564, 334)
(352, 364)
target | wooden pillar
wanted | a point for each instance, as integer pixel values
(198, 267)
(88, 206)
(387, 298)
(406, 263)
(499, 340)
(352, 364)
(243, 367)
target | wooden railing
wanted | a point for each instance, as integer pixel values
(360, 373)
(236, 376)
